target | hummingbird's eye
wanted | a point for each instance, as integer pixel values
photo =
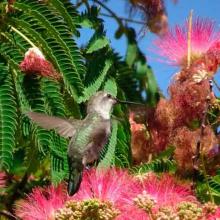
(109, 96)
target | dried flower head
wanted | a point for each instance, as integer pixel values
(173, 46)
(185, 142)
(35, 63)
(159, 139)
(42, 203)
(139, 140)
(160, 123)
(154, 13)
(189, 99)
(165, 114)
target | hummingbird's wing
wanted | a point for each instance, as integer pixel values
(63, 127)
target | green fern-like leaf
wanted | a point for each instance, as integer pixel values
(214, 183)
(123, 151)
(69, 17)
(125, 78)
(97, 43)
(108, 153)
(157, 165)
(53, 97)
(111, 87)
(55, 34)
(93, 88)
(59, 165)
(33, 93)
(8, 119)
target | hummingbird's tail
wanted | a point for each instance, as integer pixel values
(75, 176)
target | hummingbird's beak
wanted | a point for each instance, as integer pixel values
(128, 102)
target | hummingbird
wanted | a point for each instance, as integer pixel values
(87, 136)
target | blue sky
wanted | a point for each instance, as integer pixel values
(177, 14)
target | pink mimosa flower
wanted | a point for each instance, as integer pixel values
(109, 192)
(113, 185)
(173, 46)
(166, 190)
(35, 63)
(156, 193)
(42, 203)
(112, 188)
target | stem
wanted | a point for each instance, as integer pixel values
(78, 4)
(113, 15)
(206, 178)
(199, 153)
(189, 39)
(216, 84)
(16, 191)
(23, 36)
(125, 19)
(86, 4)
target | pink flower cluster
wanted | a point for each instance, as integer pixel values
(154, 13)
(116, 186)
(35, 63)
(174, 45)
(42, 203)
(175, 121)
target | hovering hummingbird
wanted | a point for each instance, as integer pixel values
(87, 136)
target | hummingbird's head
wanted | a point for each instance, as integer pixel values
(102, 103)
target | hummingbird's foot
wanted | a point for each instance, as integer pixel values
(88, 166)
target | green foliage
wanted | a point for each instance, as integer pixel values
(157, 165)
(97, 43)
(107, 155)
(96, 84)
(162, 163)
(53, 27)
(208, 189)
(111, 87)
(8, 118)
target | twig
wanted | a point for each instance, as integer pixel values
(16, 191)
(86, 4)
(113, 14)
(206, 178)
(125, 19)
(216, 84)
(189, 33)
(199, 154)
(78, 4)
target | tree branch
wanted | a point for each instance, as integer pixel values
(125, 19)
